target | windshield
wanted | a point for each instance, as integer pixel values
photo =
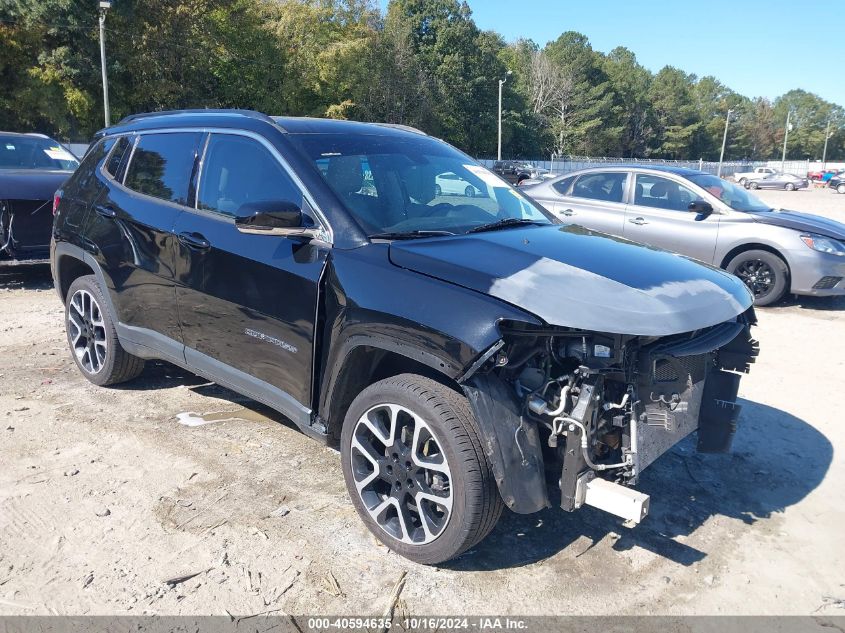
(33, 152)
(732, 195)
(407, 184)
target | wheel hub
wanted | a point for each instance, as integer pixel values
(87, 331)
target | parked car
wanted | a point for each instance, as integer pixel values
(454, 353)
(32, 168)
(515, 172)
(710, 219)
(744, 177)
(821, 176)
(837, 182)
(453, 185)
(789, 182)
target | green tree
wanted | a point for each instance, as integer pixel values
(676, 121)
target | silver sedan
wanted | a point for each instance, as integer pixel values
(704, 217)
(790, 182)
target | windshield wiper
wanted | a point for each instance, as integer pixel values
(503, 224)
(408, 235)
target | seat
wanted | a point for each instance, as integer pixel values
(345, 177)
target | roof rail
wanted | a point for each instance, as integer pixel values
(246, 113)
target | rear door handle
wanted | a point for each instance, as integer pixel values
(194, 240)
(107, 211)
(638, 221)
(568, 212)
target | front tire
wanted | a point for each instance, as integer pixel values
(789, 186)
(765, 274)
(743, 181)
(469, 191)
(92, 338)
(438, 191)
(753, 185)
(416, 471)
(840, 188)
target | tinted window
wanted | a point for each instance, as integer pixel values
(161, 165)
(88, 168)
(116, 157)
(237, 170)
(609, 186)
(661, 193)
(562, 186)
(34, 152)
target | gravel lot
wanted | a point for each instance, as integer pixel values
(105, 496)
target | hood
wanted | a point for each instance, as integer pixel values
(572, 277)
(31, 184)
(804, 222)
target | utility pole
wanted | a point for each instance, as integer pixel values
(724, 141)
(827, 135)
(105, 5)
(785, 138)
(501, 83)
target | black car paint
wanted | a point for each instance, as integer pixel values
(804, 222)
(27, 194)
(352, 302)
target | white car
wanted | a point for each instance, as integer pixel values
(748, 176)
(449, 184)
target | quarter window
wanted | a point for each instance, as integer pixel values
(116, 157)
(661, 193)
(238, 170)
(609, 186)
(162, 164)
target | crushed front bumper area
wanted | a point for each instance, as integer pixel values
(593, 411)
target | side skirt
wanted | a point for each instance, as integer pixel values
(148, 344)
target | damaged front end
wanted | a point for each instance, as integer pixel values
(594, 410)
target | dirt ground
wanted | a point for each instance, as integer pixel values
(109, 499)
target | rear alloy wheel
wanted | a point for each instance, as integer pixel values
(743, 181)
(92, 337)
(753, 185)
(415, 469)
(470, 191)
(789, 186)
(841, 188)
(438, 191)
(763, 272)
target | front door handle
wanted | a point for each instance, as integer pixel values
(567, 212)
(105, 210)
(194, 240)
(638, 221)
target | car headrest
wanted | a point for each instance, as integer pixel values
(658, 190)
(344, 174)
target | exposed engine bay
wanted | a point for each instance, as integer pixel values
(597, 409)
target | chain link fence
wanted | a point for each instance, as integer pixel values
(565, 164)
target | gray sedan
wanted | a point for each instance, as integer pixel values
(702, 216)
(790, 182)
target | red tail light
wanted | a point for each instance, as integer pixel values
(57, 197)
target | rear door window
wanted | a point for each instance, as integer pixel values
(116, 157)
(563, 186)
(162, 164)
(605, 186)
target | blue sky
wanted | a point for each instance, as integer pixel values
(755, 48)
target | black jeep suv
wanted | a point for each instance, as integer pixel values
(459, 353)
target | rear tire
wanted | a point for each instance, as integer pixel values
(753, 185)
(789, 186)
(421, 484)
(840, 188)
(743, 181)
(92, 338)
(469, 191)
(765, 274)
(438, 191)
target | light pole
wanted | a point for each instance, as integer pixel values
(785, 138)
(105, 5)
(724, 140)
(827, 136)
(501, 83)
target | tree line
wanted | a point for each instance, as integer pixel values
(423, 63)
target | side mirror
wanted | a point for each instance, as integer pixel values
(701, 207)
(274, 217)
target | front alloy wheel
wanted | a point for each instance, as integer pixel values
(765, 274)
(415, 468)
(401, 474)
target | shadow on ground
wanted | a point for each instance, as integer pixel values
(767, 471)
(26, 277)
